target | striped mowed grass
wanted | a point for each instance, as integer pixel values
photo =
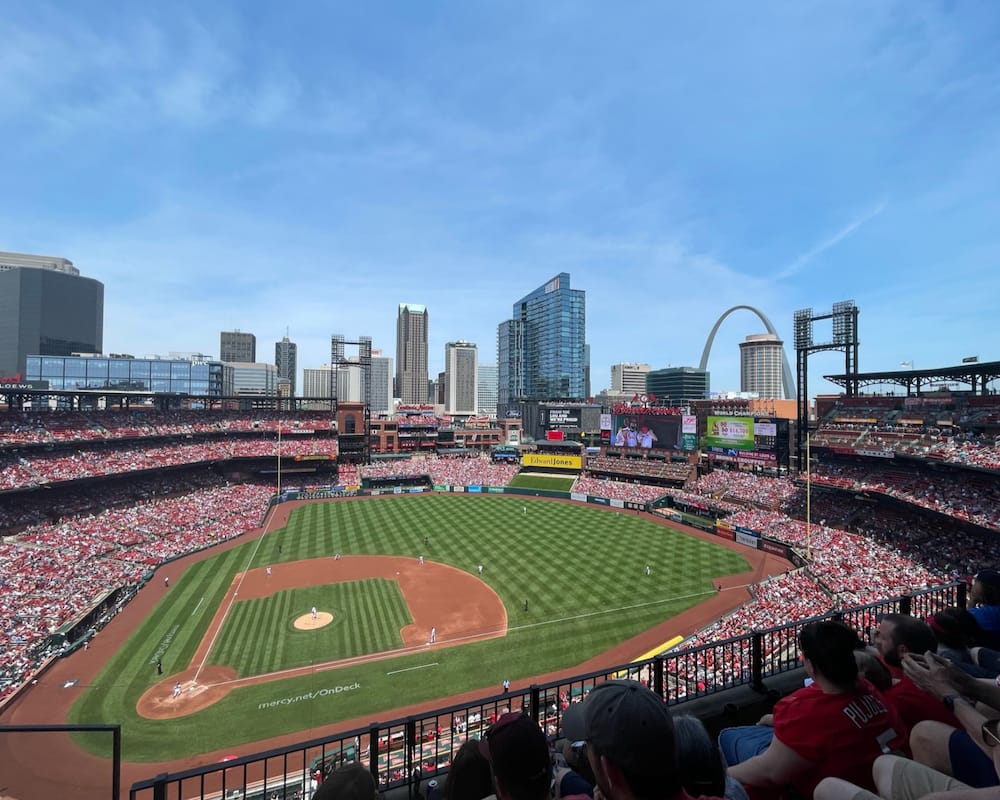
(580, 567)
(367, 618)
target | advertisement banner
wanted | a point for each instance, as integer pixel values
(689, 441)
(474, 489)
(579, 497)
(495, 490)
(773, 547)
(617, 503)
(689, 424)
(722, 524)
(556, 461)
(747, 531)
(875, 453)
(458, 488)
(601, 501)
(562, 417)
(765, 429)
(440, 487)
(605, 422)
(749, 541)
(761, 457)
(730, 432)
(675, 517)
(726, 534)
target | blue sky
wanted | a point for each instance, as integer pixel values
(309, 166)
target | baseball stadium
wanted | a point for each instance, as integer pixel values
(208, 602)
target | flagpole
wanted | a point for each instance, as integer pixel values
(279, 457)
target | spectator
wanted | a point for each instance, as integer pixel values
(516, 748)
(984, 605)
(897, 635)
(957, 751)
(836, 726)
(469, 777)
(351, 782)
(630, 741)
(702, 769)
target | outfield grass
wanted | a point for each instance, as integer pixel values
(581, 568)
(526, 480)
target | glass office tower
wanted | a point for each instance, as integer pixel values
(541, 351)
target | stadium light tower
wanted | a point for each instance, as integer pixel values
(845, 337)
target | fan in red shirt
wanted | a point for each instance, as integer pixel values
(837, 726)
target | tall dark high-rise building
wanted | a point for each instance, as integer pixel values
(542, 349)
(236, 346)
(285, 360)
(46, 308)
(411, 353)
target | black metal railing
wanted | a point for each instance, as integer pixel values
(403, 752)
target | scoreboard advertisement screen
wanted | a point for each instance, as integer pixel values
(561, 418)
(646, 431)
(730, 433)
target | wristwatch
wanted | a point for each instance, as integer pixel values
(949, 701)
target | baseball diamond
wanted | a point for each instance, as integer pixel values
(483, 634)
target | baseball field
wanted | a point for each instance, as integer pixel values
(332, 616)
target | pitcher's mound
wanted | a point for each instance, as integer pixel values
(307, 623)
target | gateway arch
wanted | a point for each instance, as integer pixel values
(787, 383)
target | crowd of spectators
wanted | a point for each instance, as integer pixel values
(642, 467)
(745, 487)
(969, 497)
(476, 470)
(617, 490)
(52, 572)
(30, 468)
(55, 427)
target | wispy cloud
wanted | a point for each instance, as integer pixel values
(831, 241)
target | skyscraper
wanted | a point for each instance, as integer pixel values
(285, 360)
(760, 365)
(678, 385)
(461, 368)
(486, 394)
(541, 350)
(381, 396)
(629, 379)
(48, 309)
(411, 353)
(236, 346)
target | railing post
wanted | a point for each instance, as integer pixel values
(536, 702)
(962, 601)
(906, 605)
(160, 787)
(411, 745)
(757, 661)
(659, 681)
(373, 752)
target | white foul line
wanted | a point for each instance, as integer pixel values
(408, 669)
(236, 592)
(198, 606)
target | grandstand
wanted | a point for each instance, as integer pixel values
(91, 503)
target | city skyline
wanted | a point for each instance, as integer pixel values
(275, 172)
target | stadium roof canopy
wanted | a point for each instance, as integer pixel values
(976, 375)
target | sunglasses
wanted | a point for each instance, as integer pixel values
(991, 737)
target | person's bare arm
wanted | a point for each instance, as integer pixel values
(777, 766)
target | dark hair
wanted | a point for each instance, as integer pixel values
(699, 761)
(956, 628)
(914, 634)
(830, 646)
(469, 776)
(989, 587)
